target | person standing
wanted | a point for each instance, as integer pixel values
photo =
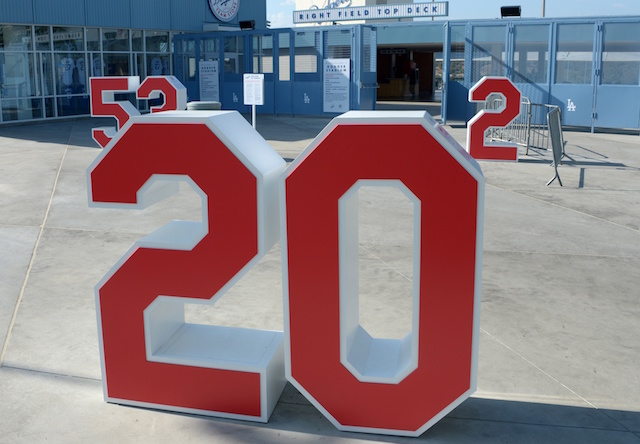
(413, 73)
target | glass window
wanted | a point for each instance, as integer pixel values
(337, 44)
(456, 63)
(488, 52)
(95, 65)
(68, 39)
(157, 65)
(233, 55)
(186, 46)
(81, 74)
(93, 39)
(47, 73)
(307, 48)
(137, 43)
(49, 107)
(263, 54)
(21, 109)
(209, 49)
(621, 54)
(284, 57)
(43, 39)
(17, 75)
(531, 54)
(369, 52)
(116, 64)
(70, 73)
(15, 38)
(73, 105)
(574, 55)
(157, 41)
(115, 40)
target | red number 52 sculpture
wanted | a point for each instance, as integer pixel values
(151, 357)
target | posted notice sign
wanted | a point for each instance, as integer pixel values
(337, 73)
(209, 81)
(253, 86)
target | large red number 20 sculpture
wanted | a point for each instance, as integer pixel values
(486, 119)
(151, 357)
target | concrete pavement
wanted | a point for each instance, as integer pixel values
(560, 330)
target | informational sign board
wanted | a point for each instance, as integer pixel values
(408, 10)
(209, 81)
(336, 85)
(253, 87)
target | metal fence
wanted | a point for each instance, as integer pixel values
(530, 129)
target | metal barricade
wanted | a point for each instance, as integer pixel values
(529, 129)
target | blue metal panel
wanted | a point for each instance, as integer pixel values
(190, 15)
(364, 82)
(408, 35)
(457, 101)
(69, 12)
(307, 98)
(618, 106)
(283, 88)
(618, 76)
(151, 14)
(573, 72)
(269, 96)
(576, 102)
(231, 95)
(16, 11)
(111, 13)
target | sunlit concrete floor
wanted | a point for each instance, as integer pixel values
(559, 356)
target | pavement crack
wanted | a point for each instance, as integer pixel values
(33, 258)
(49, 373)
(565, 208)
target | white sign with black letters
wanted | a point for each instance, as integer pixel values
(253, 86)
(209, 81)
(337, 73)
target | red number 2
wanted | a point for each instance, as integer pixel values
(485, 119)
(150, 356)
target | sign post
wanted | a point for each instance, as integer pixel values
(253, 87)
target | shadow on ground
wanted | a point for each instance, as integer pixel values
(477, 420)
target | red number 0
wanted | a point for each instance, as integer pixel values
(150, 357)
(362, 383)
(486, 119)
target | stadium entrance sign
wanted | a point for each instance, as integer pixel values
(377, 12)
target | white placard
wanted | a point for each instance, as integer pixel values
(253, 87)
(337, 73)
(209, 81)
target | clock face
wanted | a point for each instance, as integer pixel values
(224, 10)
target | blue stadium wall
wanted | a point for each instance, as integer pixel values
(175, 15)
